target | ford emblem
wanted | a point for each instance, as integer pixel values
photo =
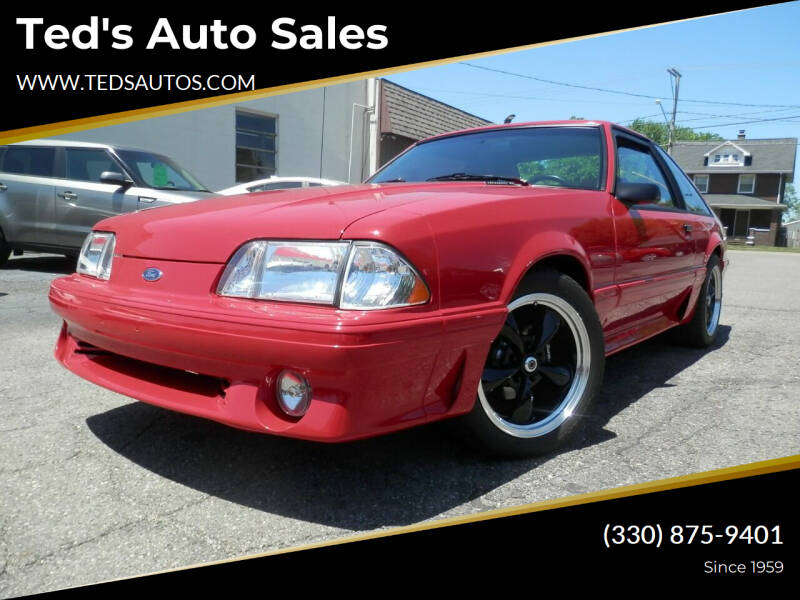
(152, 274)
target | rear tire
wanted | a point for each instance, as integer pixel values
(542, 371)
(701, 331)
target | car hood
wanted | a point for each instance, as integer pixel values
(211, 230)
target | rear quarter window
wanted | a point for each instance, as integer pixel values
(29, 160)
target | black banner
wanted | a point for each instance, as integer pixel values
(86, 62)
(726, 533)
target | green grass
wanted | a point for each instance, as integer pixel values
(762, 248)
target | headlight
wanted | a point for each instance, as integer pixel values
(97, 254)
(354, 275)
(293, 271)
(378, 278)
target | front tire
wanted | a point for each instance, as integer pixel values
(542, 371)
(5, 250)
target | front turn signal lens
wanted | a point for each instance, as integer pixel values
(378, 277)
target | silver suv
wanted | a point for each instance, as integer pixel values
(52, 191)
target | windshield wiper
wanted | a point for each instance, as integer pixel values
(395, 180)
(477, 177)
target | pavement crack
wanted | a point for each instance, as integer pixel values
(761, 308)
(141, 432)
(22, 428)
(184, 506)
(72, 546)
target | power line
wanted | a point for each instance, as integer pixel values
(706, 115)
(522, 97)
(640, 118)
(624, 93)
(573, 85)
(548, 98)
(744, 114)
(778, 119)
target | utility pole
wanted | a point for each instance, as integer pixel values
(676, 76)
(666, 122)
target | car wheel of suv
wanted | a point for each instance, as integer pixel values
(5, 250)
(701, 331)
(542, 370)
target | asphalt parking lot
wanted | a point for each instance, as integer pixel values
(96, 486)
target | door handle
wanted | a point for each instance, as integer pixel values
(687, 228)
(67, 195)
(3, 187)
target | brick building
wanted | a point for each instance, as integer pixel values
(406, 117)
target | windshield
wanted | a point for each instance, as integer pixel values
(554, 156)
(159, 172)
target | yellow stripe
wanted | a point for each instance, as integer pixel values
(63, 127)
(738, 472)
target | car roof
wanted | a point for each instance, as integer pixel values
(569, 123)
(76, 144)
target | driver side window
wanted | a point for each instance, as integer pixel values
(636, 165)
(88, 164)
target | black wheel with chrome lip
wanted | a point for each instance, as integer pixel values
(541, 371)
(701, 331)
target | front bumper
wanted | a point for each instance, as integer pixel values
(371, 372)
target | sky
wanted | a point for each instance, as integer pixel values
(735, 68)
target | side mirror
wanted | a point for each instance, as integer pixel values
(115, 178)
(638, 193)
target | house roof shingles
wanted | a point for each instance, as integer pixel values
(415, 116)
(768, 156)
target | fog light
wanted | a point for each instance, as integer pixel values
(293, 393)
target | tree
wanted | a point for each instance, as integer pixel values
(577, 171)
(659, 133)
(792, 200)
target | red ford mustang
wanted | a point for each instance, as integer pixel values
(483, 274)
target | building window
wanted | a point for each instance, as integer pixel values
(747, 184)
(729, 159)
(701, 181)
(256, 146)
